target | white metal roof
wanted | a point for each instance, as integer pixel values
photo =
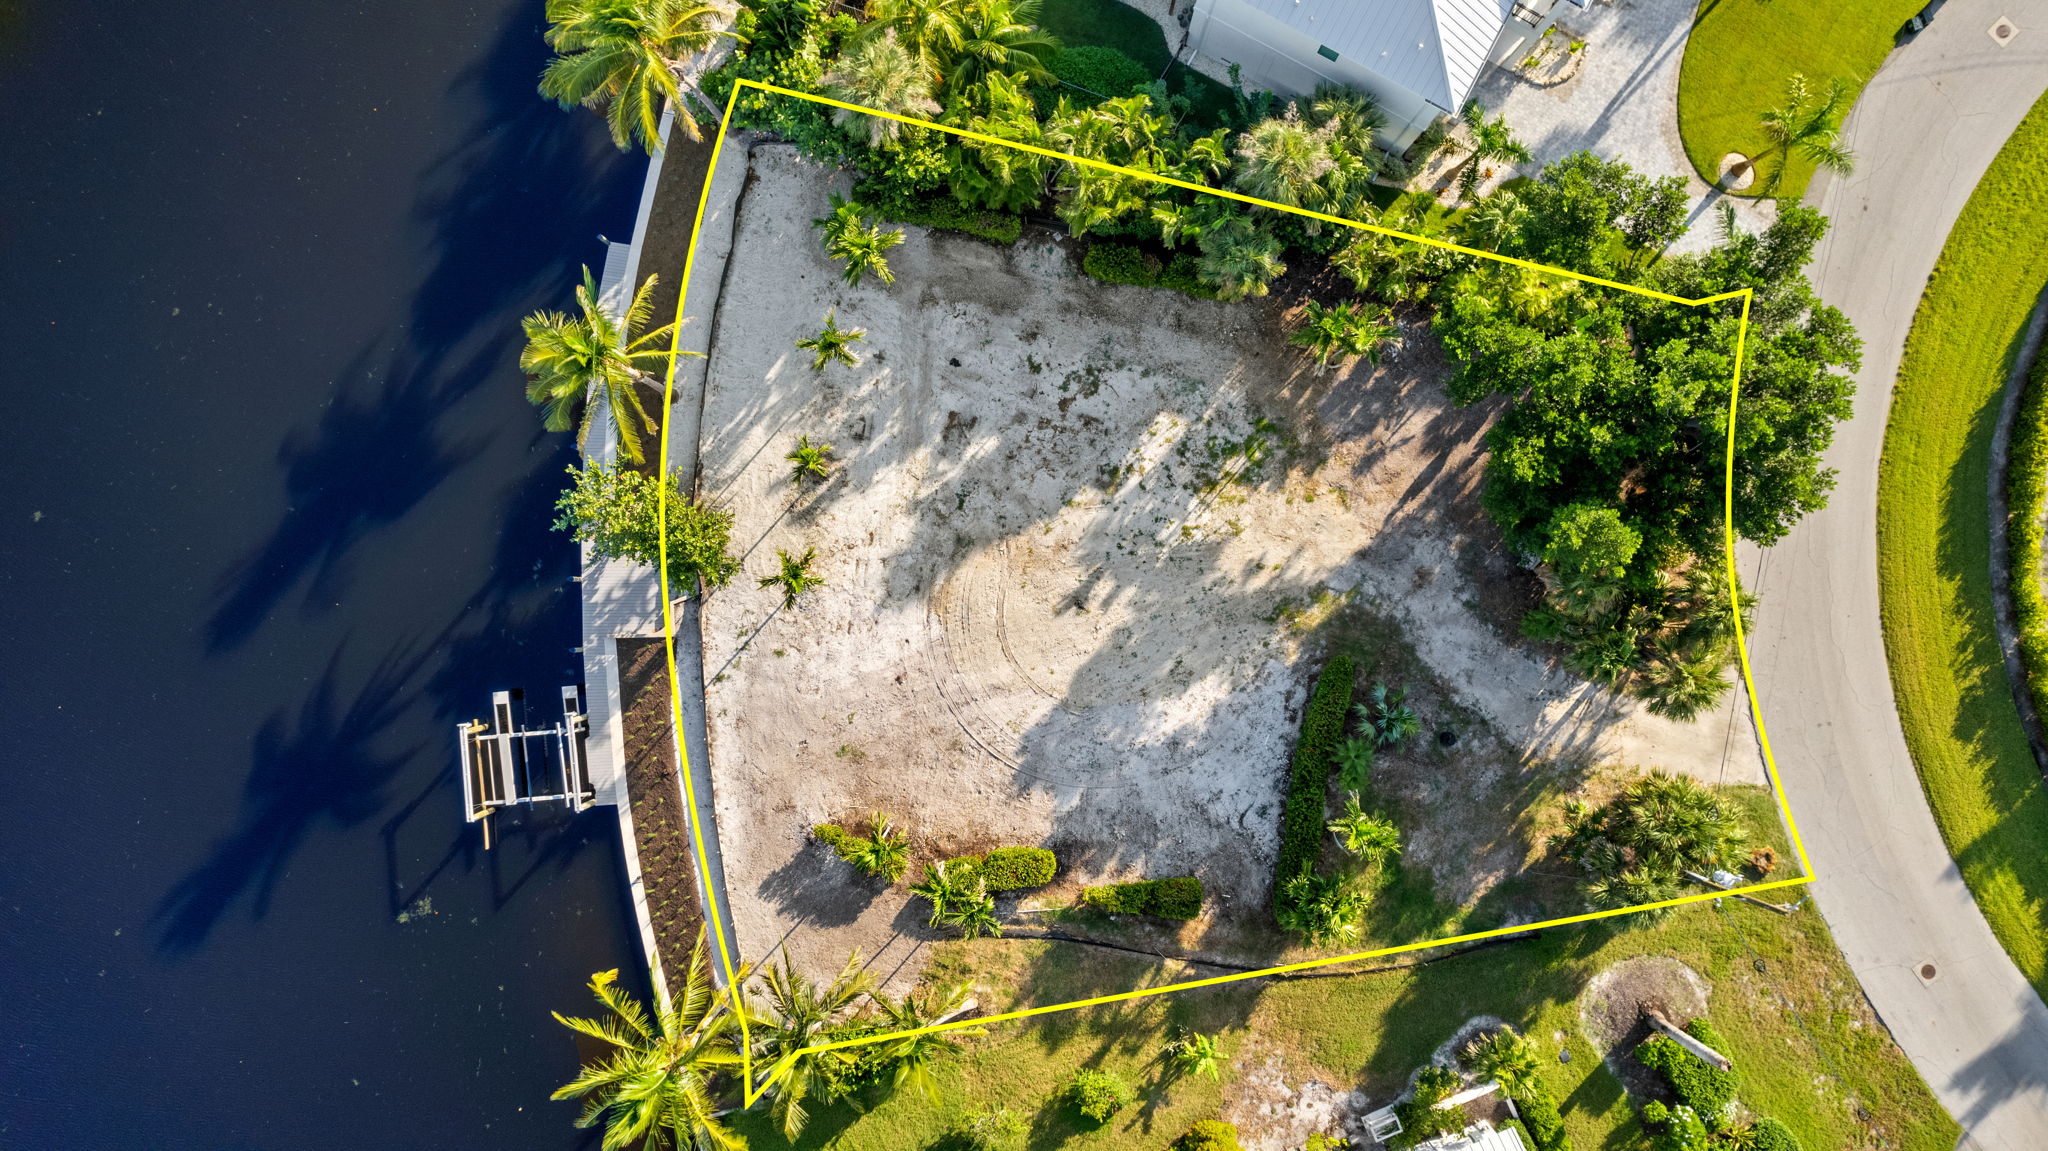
(1434, 48)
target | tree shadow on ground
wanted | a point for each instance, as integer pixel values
(819, 888)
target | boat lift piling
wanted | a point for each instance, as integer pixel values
(503, 764)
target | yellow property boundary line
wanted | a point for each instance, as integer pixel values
(753, 1092)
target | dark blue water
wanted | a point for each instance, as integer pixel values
(274, 520)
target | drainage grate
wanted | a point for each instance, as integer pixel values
(1927, 971)
(2003, 30)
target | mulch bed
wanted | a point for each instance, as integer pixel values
(660, 824)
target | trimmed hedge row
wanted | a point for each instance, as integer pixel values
(1099, 70)
(942, 212)
(1179, 897)
(1545, 1127)
(1127, 264)
(1012, 868)
(2026, 487)
(1703, 1088)
(1308, 784)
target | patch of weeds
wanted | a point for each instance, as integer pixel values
(851, 754)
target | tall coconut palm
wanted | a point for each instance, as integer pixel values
(998, 36)
(802, 1014)
(929, 29)
(570, 359)
(879, 72)
(1282, 159)
(1810, 127)
(622, 56)
(654, 1088)
(1491, 142)
(913, 1054)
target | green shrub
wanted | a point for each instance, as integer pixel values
(1420, 1118)
(1770, 1135)
(1322, 726)
(1179, 897)
(997, 1129)
(1539, 1116)
(1098, 1094)
(1099, 70)
(2026, 486)
(942, 212)
(1014, 868)
(846, 843)
(1209, 1135)
(1183, 275)
(1706, 1090)
(1121, 264)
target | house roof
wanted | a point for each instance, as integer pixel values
(1434, 48)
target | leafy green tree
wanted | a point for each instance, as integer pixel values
(1098, 1094)
(833, 343)
(1589, 545)
(617, 512)
(809, 461)
(1239, 258)
(913, 1055)
(849, 237)
(878, 72)
(1809, 125)
(794, 575)
(1000, 37)
(802, 1014)
(992, 175)
(1343, 330)
(1492, 142)
(569, 359)
(654, 1087)
(1365, 835)
(622, 56)
(1192, 1053)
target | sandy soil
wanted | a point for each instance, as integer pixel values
(1060, 605)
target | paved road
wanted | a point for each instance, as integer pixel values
(1925, 130)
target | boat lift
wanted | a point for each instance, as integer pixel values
(503, 765)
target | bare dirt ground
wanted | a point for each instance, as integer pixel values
(1063, 604)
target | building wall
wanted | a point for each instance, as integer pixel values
(1271, 55)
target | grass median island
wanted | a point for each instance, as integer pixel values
(1740, 54)
(1934, 564)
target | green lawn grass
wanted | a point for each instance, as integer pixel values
(1742, 52)
(1809, 1049)
(1933, 531)
(1112, 24)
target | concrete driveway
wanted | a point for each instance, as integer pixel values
(1925, 130)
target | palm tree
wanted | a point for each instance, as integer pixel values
(972, 918)
(1343, 330)
(1491, 141)
(1355, 112)
(809, 461)
(1364, 834)
(794, 575)
(568, 359)
(913, 1054)
(833, 343)
(1495, 221)
(1506, 1058)
(803, 1014)
(1808, 127)
(849, 237)
(1668, 821)
(999, 36)
(1681, 688)
(622, 56)
(1282, 159)
(878, 72)
(1238, 258)
(654, 1088)
(1321, 908)
(929, 29)
(946, 884)
(885, 851)
(1354, 763)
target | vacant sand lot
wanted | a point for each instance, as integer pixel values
(1063, 604)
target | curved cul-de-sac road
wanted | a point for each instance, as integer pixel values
(1924, 131)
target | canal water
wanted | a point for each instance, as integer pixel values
(275, 520)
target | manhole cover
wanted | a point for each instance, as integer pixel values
(1927, 971)
(1447, 738)
(2003, 30)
